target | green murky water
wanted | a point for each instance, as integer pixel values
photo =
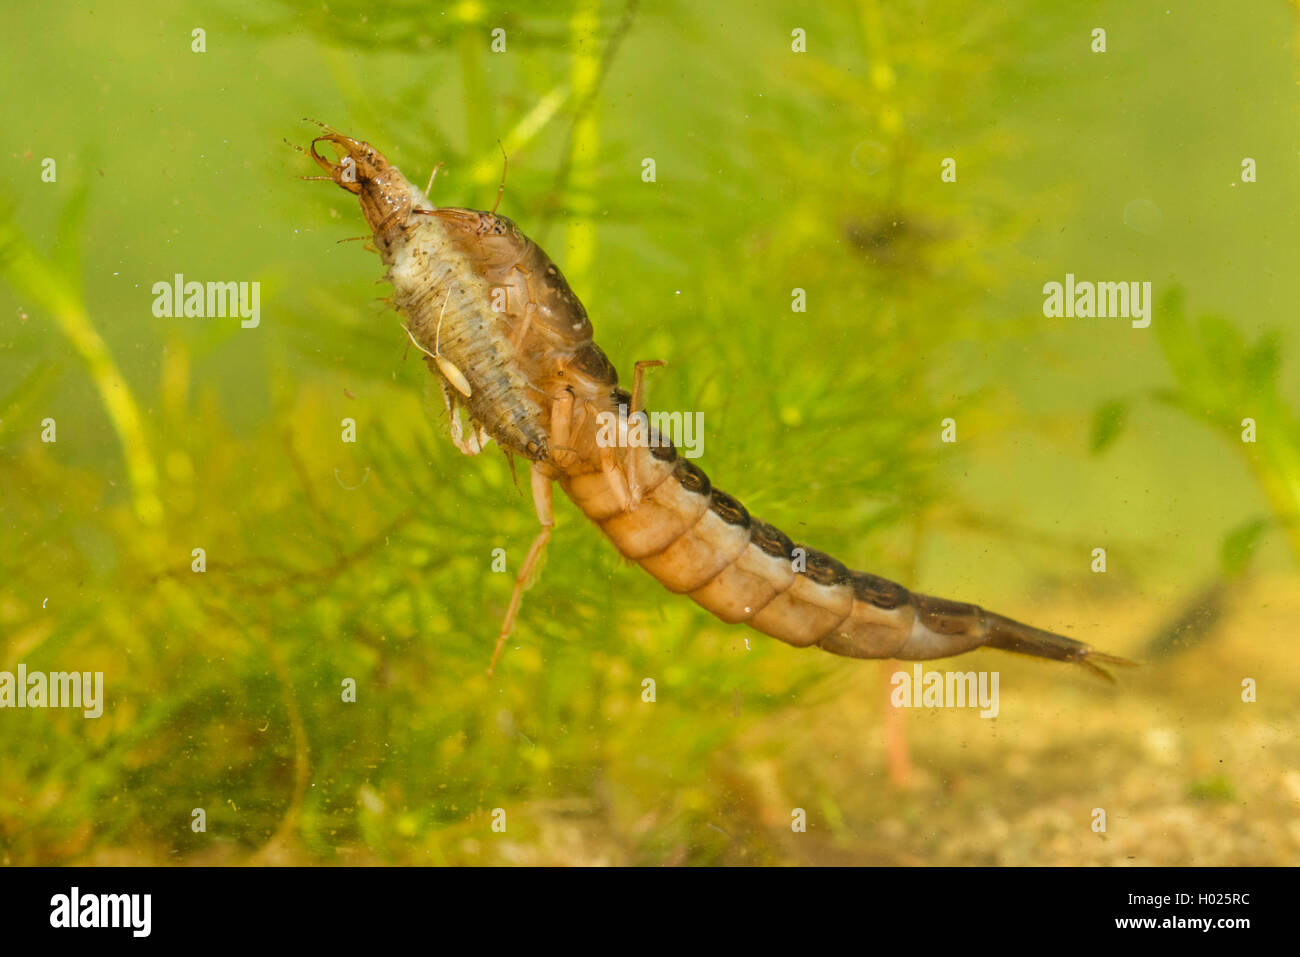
(920, 172)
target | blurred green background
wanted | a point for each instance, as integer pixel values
(775, 170)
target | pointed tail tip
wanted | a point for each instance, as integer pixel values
(1027, 640)
(1093, 660)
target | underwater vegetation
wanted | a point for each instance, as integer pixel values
(186, 508)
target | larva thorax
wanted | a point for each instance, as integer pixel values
(441, 263)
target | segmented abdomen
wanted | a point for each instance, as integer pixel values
(699, 541)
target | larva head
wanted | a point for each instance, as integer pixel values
(362, 170)
(358, 162)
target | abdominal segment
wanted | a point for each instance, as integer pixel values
(699, 541)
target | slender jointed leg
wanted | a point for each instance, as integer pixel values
(517, 337)
(432, 176)
(561, 428)
(542, 501)
(638, 381)
(477, 440)
(638, 395)
(614, 478)
(501, 190)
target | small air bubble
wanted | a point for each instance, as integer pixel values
(869, 156)
(1143, 216)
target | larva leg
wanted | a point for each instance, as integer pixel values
(614, 476)
(475, 443)
(638, 396)
(542, 501)
(432, 176)
(501, 190)
(517, 337)
(561, 427)
(446, 367)
(638, 380)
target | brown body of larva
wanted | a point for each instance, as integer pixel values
(699, 541)
(520, 340)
